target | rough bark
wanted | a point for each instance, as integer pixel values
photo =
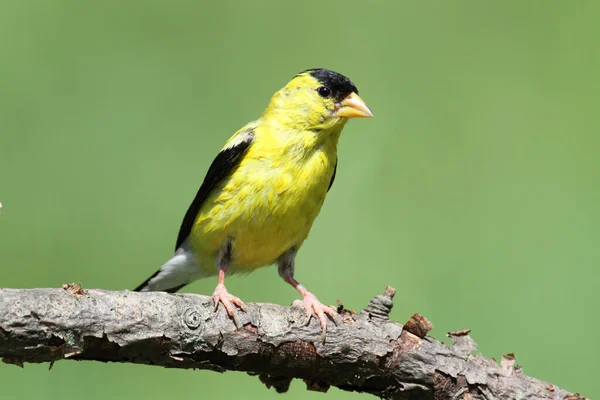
(365, 352)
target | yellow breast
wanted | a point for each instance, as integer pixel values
(269, 202)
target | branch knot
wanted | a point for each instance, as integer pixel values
(191, 318)
(380, 306)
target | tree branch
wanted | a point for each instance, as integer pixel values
(365, 352)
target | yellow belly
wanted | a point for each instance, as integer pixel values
(265, 208)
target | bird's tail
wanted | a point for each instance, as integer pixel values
(149, 285)
(180, 270)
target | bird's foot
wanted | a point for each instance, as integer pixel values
(230, 302)
(312, 305)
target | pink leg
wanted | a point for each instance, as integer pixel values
(312, 305)
(230, 302)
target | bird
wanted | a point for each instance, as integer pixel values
(263, 191)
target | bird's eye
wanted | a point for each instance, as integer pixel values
(324, 91)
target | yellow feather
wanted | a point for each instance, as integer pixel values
(269, 202)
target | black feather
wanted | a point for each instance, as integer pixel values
(220, 168)
(333, 176)
(145, 283)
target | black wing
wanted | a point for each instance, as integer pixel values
(333, 176)
(222, 165)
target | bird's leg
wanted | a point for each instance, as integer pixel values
(310, 302)
(221, 295)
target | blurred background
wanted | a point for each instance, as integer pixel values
(474, 191)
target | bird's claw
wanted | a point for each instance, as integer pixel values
(230, 302)
(313, 306)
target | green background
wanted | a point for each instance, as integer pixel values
(474, 192)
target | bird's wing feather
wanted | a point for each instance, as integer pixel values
(333, 176)
(221, 167)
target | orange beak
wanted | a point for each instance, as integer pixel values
(354, 107)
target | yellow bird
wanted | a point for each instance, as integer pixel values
(264, 189)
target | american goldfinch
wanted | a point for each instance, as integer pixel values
(264, 190)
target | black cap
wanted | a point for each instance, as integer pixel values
(340, 85)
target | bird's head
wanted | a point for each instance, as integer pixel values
(317, 99)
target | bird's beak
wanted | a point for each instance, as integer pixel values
(354, 107)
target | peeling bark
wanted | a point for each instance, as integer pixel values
(365, 352)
